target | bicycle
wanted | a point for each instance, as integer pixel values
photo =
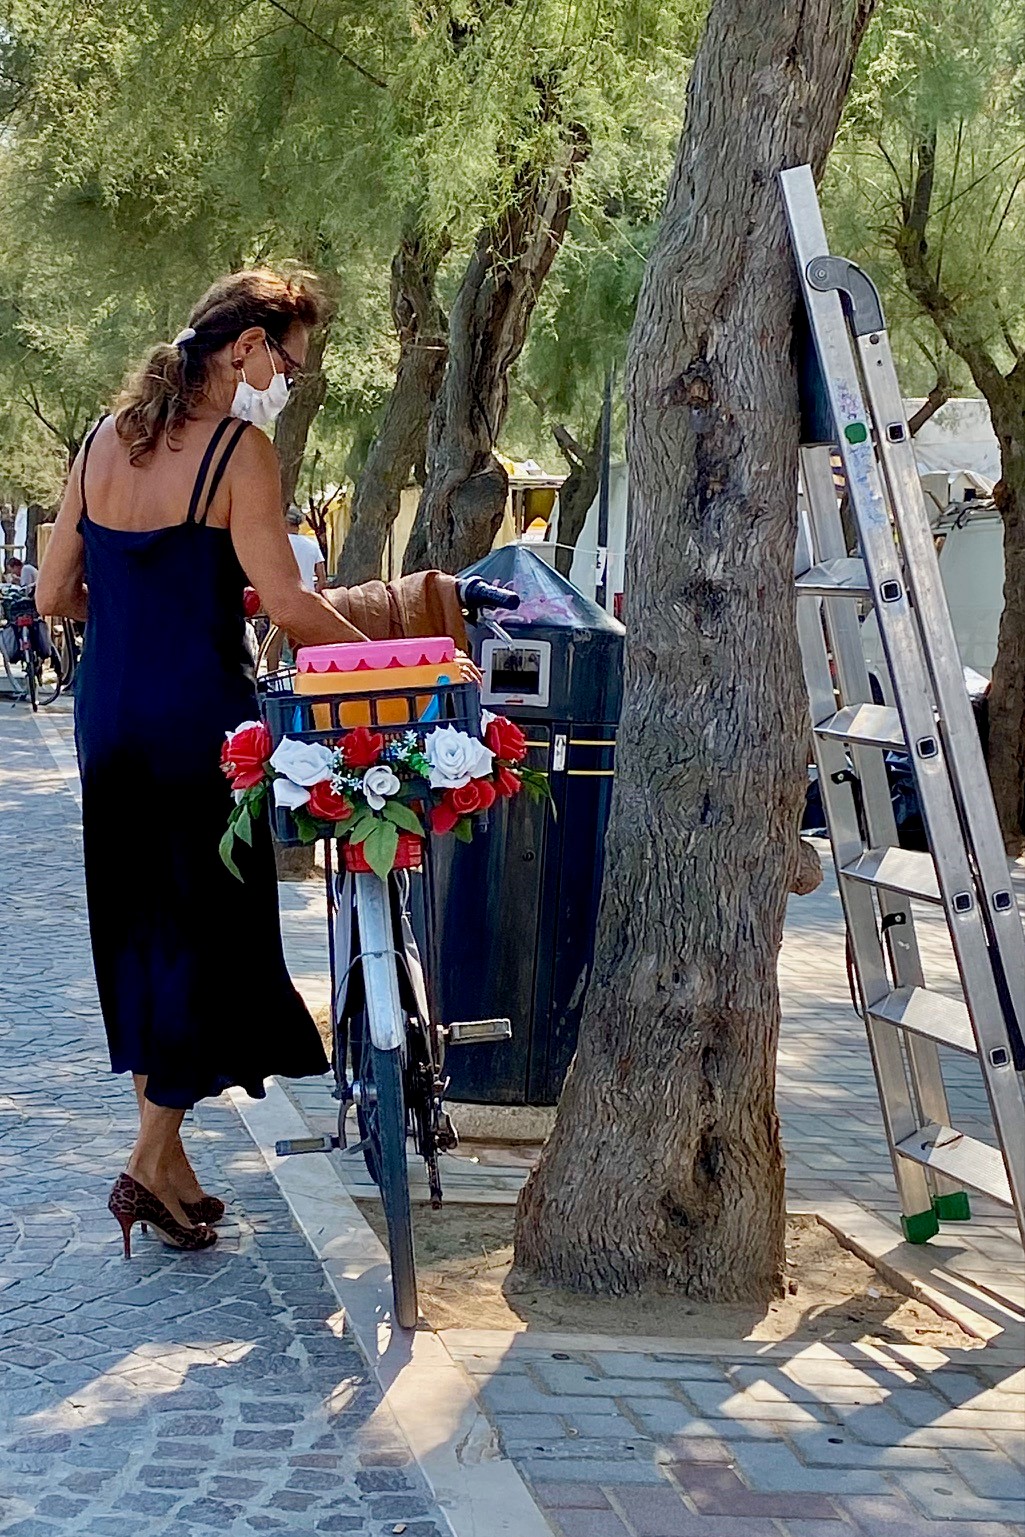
(388, 1044)
(30, 643)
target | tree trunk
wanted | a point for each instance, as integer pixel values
(1007, 694)
(35, 515)
(1005, 396)
(401, 440)
(665, 1166)
(577, 492)
(464, 499)
(295, 421)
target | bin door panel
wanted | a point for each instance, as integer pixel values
(487, 906)
(575, 892)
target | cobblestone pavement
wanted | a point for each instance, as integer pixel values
(176, 1394)
(806, 1441)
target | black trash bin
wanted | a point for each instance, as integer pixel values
(515, 910)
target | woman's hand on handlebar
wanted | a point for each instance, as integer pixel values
(468, 670)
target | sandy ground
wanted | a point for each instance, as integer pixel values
(464, 1266)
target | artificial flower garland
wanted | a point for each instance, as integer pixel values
(367, 789)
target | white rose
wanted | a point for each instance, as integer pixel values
(379, 782)
(288, 794)
(304, 763)
(456, 758)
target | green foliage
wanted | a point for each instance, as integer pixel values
(956, 72)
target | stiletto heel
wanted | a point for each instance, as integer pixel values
(126, 1232)
(131, 1202)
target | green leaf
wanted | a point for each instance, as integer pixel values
(361, 826)
(403, 817)
(306, 826)
(225, 848)
(244, 825)
(463, 830)
(379, 848)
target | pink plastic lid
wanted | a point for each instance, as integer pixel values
(373, 655)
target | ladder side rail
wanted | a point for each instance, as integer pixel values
(843, 632)
(957, 721)
(902, 645)
(900, 1117)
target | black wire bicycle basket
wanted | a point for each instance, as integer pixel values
(392, 713)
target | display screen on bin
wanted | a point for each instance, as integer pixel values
(516, 670)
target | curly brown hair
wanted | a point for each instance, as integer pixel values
(159, 397)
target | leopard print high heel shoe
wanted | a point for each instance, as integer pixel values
(131, 1202)
(206, 1211)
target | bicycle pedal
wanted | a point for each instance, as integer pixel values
(289, 1145)
(478, 1032)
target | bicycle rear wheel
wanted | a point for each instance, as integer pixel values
(32, 677)
(49, 680)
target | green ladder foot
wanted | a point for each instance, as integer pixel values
(952, 1207)
(920, 1227)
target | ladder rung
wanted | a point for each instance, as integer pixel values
(961, 1158)
(872, 725)
(943, 1020)
(904, 870)
(844, 575)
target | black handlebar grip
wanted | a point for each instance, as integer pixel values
(477, 593)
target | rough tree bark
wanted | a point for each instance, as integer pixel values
(1005, 396)
(295, 421)
(464, 498)
(665, 1167)
(577, 492)
(401, 440)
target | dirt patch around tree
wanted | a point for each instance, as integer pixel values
(466, 1281)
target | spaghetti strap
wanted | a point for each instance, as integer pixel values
(211, 449)
(85, 460)
(218, 473)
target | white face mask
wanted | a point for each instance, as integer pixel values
(260, 407)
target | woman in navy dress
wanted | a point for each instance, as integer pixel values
(173, 502)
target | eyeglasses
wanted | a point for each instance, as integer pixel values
(293, 370)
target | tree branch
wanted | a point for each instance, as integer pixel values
(913, 250)
(940, 393)
(32, 401)
(326, 42)
(573, 452)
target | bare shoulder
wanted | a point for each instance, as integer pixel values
(255, 454)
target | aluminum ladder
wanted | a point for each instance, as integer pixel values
(965, 870)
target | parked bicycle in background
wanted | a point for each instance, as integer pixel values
(26, 644)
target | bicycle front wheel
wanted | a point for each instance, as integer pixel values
(386, 1123)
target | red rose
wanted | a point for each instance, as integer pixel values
(244, 755)
(469, 799)
(326, 805)
(506, 740)
(507, 784)
(361, 748)
(476, 796)
(443, 819)
(251, 602)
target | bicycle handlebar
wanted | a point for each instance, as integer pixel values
(475, 592)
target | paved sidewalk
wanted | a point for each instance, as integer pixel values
(175, 1395)
(748, 1440)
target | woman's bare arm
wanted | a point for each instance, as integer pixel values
(261, 544)
(60, 590)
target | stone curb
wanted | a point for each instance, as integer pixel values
(432, 1398)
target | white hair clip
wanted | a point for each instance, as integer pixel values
(184, 336)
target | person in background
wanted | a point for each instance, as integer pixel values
(307, 553)
(22, 572)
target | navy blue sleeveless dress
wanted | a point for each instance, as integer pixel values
(189, 964)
